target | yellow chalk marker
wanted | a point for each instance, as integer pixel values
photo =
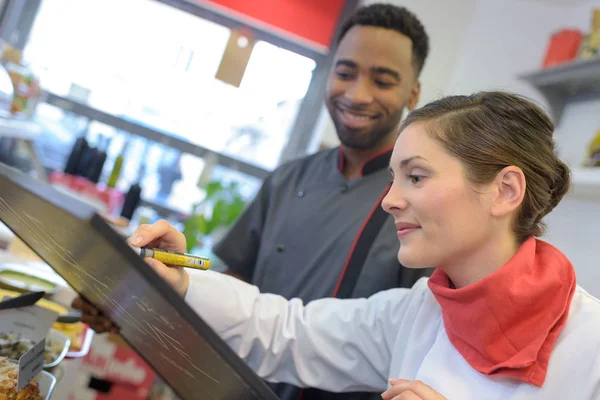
(174, 258)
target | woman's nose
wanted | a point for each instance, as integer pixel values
(393, 200)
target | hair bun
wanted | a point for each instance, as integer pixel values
(560, 185)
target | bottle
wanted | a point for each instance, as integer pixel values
(26, 85)
(86, 160)
(98, 159)
(133, 197)
(593, 158)
(117, 166)
(79, 147)
(591, 43)
(6, 92)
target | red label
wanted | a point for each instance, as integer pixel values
(313, 21)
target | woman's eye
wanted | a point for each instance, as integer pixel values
(415, 178)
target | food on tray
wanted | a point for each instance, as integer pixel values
(75, 332)
(8, 384)
(22, 281)
(13, 347)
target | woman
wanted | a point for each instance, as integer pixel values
(500, 318)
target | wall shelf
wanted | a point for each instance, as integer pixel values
(586, 183)
(566, 81)
(19, 129)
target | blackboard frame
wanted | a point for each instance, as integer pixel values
(34, 210)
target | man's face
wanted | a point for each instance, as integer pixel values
(371, 82)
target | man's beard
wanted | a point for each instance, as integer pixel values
(367, 139)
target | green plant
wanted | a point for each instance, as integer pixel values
(221, 206)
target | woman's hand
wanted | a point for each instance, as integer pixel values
(403, 389)
(160, 235)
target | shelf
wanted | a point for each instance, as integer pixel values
(586, 183)
(19, 129)
(566, 81)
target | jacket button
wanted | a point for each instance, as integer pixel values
(280, 248)
(300, 193)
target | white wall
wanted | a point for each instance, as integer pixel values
(507, 38)
(446, 22)
(574, 225)
(485, 45)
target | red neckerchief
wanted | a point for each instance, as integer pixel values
(507, 323)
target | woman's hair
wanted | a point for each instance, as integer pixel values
(489, 131)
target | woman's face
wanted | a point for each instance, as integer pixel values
(441, 217)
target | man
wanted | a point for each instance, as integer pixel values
(316, 228)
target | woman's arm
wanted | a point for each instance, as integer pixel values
(331, 344)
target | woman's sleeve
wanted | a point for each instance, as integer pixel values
(330, 344)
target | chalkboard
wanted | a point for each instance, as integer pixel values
(95, 260)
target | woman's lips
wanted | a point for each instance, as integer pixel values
(405, 228)
(403, 232)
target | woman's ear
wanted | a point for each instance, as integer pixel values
(510, 188)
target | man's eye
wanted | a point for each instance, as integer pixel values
(384, 85)
(344, 75)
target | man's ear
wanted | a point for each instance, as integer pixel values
(413, 97)
(510, 188)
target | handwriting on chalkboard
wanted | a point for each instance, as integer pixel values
(34, 230)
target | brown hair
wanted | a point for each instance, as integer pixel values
(489, 131)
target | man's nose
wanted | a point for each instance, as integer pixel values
(359, 92)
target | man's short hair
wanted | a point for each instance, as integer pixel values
(398, 19)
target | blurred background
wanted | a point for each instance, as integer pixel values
(170, 109)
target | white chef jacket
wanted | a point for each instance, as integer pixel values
(358, 344)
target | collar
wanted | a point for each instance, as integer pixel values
(376, 162)
(507, 323)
